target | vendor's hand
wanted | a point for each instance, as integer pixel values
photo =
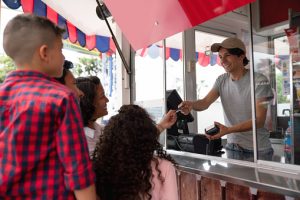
(168, 120)
(186, 107)
(223, 131)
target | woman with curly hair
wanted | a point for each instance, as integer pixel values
(93, 105)
(129, 161)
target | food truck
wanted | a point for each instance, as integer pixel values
(157, 61)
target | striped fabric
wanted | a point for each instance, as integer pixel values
(38, 7)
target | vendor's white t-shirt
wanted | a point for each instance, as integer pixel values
(236, 101)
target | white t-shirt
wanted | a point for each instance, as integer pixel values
(236, 101)
(92, 136)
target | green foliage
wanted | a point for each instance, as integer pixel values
(6, 66)
(88, 67)
(280, 97)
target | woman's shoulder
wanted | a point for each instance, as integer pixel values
(98, 127)
(163, 164)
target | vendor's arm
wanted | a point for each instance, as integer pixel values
(261, 112)
(201, 104)
(167, 121)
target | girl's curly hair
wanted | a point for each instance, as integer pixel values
(123, 155)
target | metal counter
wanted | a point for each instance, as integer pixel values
(263, 175)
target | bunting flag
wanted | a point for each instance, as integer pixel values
(175, 54)
(202, 59)
(101, 43)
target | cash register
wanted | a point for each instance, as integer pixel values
(178, 136)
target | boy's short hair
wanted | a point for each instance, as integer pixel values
(25, 33)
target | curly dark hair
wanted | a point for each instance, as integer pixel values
(123, 155)
(88, 85)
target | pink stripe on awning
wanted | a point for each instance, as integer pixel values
(72, 32)
(52, 15)
(199, 11)
(90, 42)
(112, 45)
(27, 6)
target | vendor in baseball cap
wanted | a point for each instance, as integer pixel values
(234, 90)
(229, 43)
(234, 46)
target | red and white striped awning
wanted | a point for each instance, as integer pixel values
(102, 43)
(143, 22)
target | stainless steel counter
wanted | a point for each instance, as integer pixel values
(264, 175)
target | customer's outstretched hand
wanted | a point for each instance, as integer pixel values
(167, 121)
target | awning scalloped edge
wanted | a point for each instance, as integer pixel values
(101, 43)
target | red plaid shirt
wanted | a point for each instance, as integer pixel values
(43, 150)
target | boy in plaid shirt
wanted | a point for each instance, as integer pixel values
(43, 150)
